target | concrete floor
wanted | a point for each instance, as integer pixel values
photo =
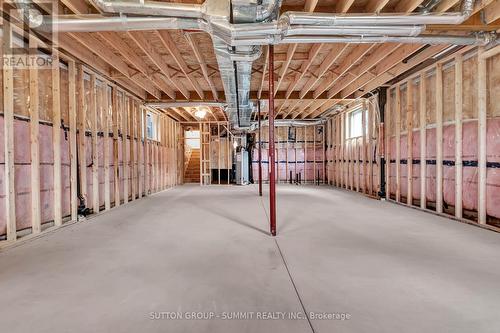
(192, 249)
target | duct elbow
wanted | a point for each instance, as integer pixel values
(104, 6)
(467, 8)
(268, 11)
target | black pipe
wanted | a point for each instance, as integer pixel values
(382, 99)
(82, 209)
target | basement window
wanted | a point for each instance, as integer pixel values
(152, 126)
(355, 124)
(192, 139)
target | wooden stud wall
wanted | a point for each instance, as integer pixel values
(440, 145)
(351, 164)
(96, 126)
(306, 147)
(214, 155)
(454, 96)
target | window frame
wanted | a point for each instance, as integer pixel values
(360, 130)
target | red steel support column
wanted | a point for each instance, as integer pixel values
(260, 152)
(272, 166)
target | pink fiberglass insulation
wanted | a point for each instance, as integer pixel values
(493, 174)
(22, 160)
(469, 170)
(281, 160)
(299, 162)
(264, 165)
(291, 162)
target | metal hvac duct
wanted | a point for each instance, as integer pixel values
(287, 122)
(238, 35)
(96, 23)
(303, 27)
(478, 39)
(150, 8)
(166, 105)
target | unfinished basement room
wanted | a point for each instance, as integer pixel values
(284, 166)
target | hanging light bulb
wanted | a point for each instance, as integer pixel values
(200, 112)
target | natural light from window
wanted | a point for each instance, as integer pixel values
(355, 123)
(192, 139)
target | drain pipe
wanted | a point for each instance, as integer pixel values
(382, 99)
(272, 166)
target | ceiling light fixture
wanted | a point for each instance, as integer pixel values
(200, 113)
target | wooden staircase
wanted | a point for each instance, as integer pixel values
(192, 171)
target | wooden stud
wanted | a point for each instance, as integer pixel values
(364, 146)
(133, 156)
(329, 149)
(36, 223)
(314, 153)
(72, 139)
(147, 173)
(482, 102)
(351, 165)
(155, 158)
(387, 130)
(398, 143)
(439, 138)
(423, 142)
(106, 119)
(162, 152)
(116, 143)
(357, 164)
(342, 150)
(8, 113)
(305, 154)
(219, 153)
(337, 151)
(125, 155)
(140, 147)
(458, 134)
(56, 140)
(168, 151)
(229, 151)
(95, 138)
(323, 151)
(409, 142)
(82, 128)
(201, 153)
(370, 148)
(161, 142)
